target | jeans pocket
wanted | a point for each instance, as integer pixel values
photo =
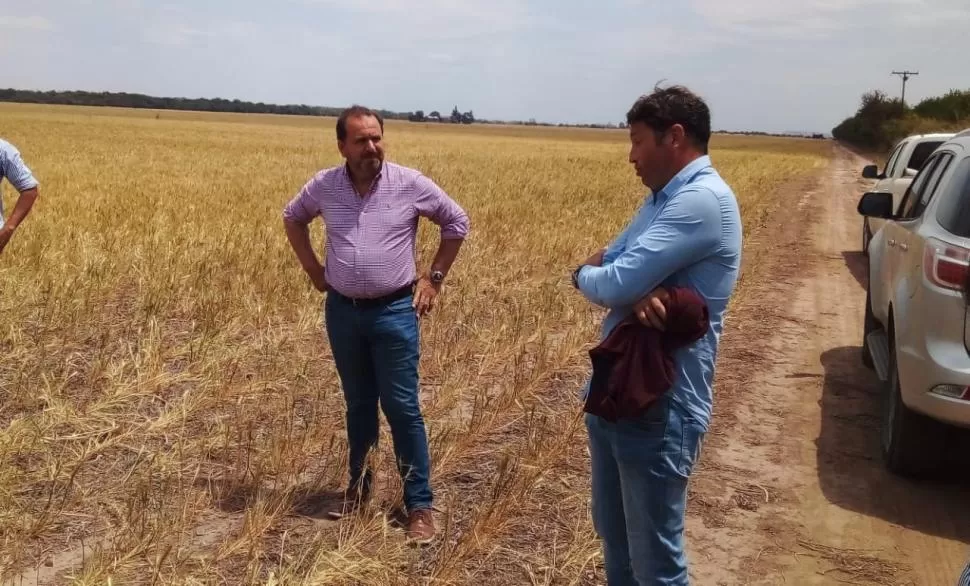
(398, 321)
(692, 437)
(403, 305)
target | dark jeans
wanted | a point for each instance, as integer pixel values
(376, 351)
(640, 472)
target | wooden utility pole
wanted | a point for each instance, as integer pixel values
(905, 75)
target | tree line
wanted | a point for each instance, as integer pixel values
(131, 100)
(435, 116)
(135, 100)
(881, 121)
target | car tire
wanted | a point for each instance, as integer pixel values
(912, 444)
(869, 325)
(866, 236)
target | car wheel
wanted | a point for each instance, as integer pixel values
(866, 236)
(869, 325)
(912, 444)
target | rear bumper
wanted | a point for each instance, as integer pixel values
(919, 374)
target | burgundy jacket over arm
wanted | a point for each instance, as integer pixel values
(633, 366)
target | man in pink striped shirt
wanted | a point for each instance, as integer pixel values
(370, 209)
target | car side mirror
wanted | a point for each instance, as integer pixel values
(876, 204)
(871, 172)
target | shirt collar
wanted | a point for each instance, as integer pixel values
(684, 176)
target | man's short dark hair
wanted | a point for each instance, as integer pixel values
(674, 105)
(352, 112)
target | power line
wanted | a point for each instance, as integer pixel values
(905, 75)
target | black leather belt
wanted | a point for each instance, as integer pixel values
(370, 302)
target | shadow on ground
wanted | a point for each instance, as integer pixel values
(306, 501)
(858, 264)
(850, 468)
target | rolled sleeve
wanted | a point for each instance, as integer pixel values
(433, 203)
(15, 170)
(685, 231)
(303, 207)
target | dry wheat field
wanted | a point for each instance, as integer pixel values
(166, 390)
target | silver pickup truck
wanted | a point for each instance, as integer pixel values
(917, 316)
(905, 160)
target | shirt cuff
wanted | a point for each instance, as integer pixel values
(452, 234)
(29, 183)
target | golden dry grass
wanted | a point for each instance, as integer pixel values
(166, 392)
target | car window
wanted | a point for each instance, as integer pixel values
(954, 209)
(931, 185)
(915, 190)
(921, 152)
(891, 161)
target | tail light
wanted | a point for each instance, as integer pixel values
(945, 265)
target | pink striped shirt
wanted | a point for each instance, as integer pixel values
(370, 240)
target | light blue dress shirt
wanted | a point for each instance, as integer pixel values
(13, 168)
(686, 235)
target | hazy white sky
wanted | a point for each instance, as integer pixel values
(762, 64)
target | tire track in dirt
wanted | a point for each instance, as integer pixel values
(792, 488)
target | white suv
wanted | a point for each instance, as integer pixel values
(904, 161)
(917, 320)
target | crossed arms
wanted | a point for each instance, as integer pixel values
(687, 229)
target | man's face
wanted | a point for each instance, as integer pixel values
(651, 160)
(364, 146)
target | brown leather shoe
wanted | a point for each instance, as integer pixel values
(421, 528)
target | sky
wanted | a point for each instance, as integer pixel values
(769, 65)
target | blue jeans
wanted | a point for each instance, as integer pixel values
(640, 469)
(376, 351)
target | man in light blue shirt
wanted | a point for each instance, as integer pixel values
(13, 168)
(687, 234)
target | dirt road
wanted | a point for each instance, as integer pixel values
(791, 488)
